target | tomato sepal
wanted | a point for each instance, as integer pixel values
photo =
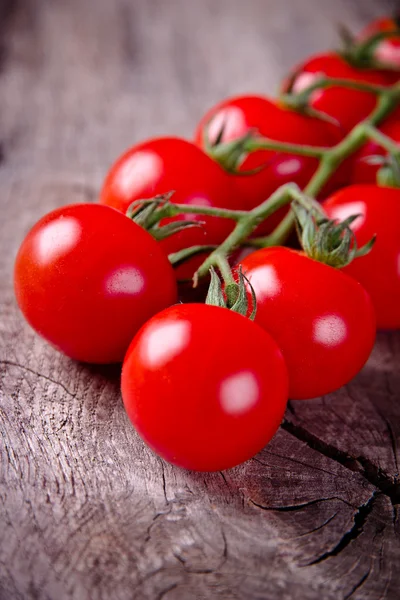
(234, 296)
(231, 155)
(389, 173)
(327, 241)
(361, 54)
(301, 103)
(148, 213)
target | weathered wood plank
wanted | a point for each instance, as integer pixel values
(87, 511)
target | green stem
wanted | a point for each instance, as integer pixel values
(229, 154)
(173, 210)
(248, 223)
(383, 140)
(223, 265)
(278, 236)
(362, 49)
(177, 258)
(261, 143)
(169, 209)
(334, 157)
(302, 98)
(355, 139)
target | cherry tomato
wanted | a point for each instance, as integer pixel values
(160, 165)
(204, 387)
(322, 319)
(362, 171)
(87, 278)
(236, 116)
(378, 271)
(386, 51)
(346, 106)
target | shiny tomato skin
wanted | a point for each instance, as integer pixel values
(346, 106)
(160, 165)
(239, 115)
(322, 319)
(86, 279)
(204, 387)
(361, 170)
(378, 271)
(386, 51)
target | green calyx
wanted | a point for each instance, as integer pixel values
(326, 241)
(148, 213)
(361, 54)
(388, 174)
(230, 155)
(234, 297)
(300, 102)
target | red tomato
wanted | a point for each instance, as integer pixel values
(361, 170)
(378, 271)
(237, 116)
(87, 278)
(322, 320)
(386, 51)
(346, 106)
(160, 165)
(204, 387)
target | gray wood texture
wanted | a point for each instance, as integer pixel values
(86, 510)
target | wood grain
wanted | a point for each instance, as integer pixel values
(87, 511)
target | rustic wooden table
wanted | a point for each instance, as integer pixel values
(87, 511)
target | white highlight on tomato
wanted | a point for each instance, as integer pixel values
(57, 238)
(265, 281)
(127, 281)
(304, 81)
(137, 173)
(196, 199)
(239, 393)
(347, 210)
(288, 167)
(329, 330)
(231, 119)
(387, 52)
(162, 343)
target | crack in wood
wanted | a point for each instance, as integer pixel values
(319, 526)
(394, 516)
(162, 594)
(384, 596)
(41, 375)
(358, 584)
(299, 462)
(360, 518)
(152, 524)
(360, 464)
(164, 484)
(224, 478)
(299, 506)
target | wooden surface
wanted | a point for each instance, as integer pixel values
(86, 510)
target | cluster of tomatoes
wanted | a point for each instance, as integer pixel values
(204, 386)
